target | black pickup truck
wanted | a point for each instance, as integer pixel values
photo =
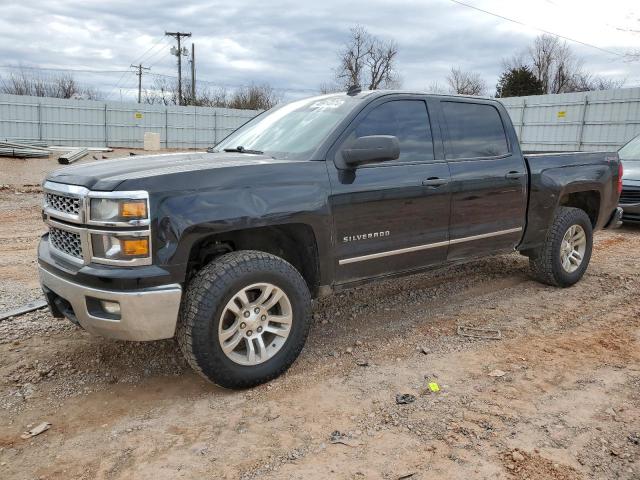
(225, 250)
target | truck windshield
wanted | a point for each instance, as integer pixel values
(293, 130)
(631, 151)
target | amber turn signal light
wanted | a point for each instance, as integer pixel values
(135, 246)
(133, 209)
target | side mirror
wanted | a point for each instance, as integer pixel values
(371, 149)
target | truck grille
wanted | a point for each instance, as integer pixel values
(61, 203)
(67, 242)
(630, 195)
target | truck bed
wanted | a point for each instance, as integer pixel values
(554, 178)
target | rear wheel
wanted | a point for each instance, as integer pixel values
(565, 255)
(245, 319)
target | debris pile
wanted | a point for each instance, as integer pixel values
(37, 149)
(22, 150)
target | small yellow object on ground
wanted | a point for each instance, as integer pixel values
(434, 387)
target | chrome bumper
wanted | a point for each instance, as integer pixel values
(149, 314)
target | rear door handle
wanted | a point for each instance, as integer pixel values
(435, 182)
(514, 175)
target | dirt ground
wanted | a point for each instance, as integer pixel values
(558, 397)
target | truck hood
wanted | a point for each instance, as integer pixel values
(631, 170)
(106, 175)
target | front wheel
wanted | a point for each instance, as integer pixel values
(566, 252)
(245, 319)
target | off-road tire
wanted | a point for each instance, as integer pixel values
(545, 263)
(204, 299)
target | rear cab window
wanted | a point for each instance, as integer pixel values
(475, 130)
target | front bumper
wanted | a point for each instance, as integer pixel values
(145, 314)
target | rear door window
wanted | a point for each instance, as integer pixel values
(475, 131)
(406, 119)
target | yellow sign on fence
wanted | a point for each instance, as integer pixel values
(562, 114)
(138, 115)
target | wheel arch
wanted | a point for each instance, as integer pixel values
(588, 200)
(294, 242)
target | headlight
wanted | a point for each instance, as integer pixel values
(121, 210)
(120, 247)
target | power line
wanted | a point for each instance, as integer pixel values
(238, 85)
(611, 52)
(161, 39)
(610, 25)
(166, 54)
(154, 56)
(139, 58)
(130, 83)
(52, 69)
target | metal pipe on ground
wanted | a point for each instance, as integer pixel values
(62, 148)
(26, 141)
(23, 145)
(72, 156)
(29, 307)
(22, 152)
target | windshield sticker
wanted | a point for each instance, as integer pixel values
(327, 103)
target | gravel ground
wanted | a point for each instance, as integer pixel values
(558, 397)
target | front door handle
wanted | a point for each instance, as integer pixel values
(435, 182)
(514, 175)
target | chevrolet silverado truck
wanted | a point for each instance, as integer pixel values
(225, 250)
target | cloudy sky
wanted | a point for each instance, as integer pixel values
(292, 45)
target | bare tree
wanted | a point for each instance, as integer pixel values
(253, 97)
(466, 83)
(584, 82)
(554, 64)
(436, 88)
(163, 92)
(329, 87)
(211, 97)
(23, 82)
(560, 71)
(368, 61)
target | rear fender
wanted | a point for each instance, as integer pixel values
(550, 186)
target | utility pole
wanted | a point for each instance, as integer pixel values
(179, 52)
(140, 68)
(193, 73)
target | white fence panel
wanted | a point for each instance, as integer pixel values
(114, 124)
(582, 121)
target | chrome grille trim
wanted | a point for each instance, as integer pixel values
(61, 203)
(66, 242)
(66, 202)
(69, 233)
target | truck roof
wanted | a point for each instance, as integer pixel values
(378, 93)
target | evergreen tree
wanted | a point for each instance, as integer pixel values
(518, 82)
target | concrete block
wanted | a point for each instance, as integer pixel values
(151, 141)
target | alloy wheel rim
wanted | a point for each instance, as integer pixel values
(574, 244)
(255, 324)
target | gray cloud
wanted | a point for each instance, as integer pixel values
(290, 44)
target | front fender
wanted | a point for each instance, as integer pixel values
(184, 218)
